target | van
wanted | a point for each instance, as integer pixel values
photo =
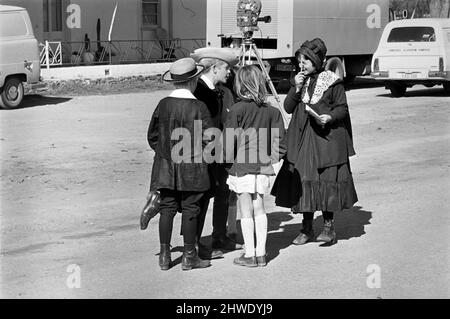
(19, 55)
(413, 51)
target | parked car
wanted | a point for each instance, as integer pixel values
(413, 51)
(19, 55)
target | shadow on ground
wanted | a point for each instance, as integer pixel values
(362, 83)
(33, 100)
(348, 224)
(411, 92)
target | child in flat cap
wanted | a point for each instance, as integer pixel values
(316, 174)
(211, 90)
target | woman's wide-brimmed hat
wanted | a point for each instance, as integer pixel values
(315, 50)
(229, 55)
(182, 70)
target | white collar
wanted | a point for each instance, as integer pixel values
(207, 81)
(182, 94)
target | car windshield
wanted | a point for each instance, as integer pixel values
(412, 34)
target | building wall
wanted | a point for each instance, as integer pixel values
(126, 23)
(190, 13)
(176, 15)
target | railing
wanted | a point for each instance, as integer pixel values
(117, 52)
(50, 54)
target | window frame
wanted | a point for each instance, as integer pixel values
(53, 16)
(158, 15)
(397, 31)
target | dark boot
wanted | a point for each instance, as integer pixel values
(165, 260)
(206, 253)
(328, 234)
(151, 208)
(190, 259)
(306, 234)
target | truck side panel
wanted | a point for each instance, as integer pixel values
(17, 46)
(348, 27)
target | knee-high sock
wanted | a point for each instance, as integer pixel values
(165, 227)
(232, 210)
(261, 234)
(189, 227)
(248, 229)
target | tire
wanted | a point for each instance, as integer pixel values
(446, 86)
(397, 90)
(335, 65)
(12, 93)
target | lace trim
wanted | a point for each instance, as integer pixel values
(325, 80)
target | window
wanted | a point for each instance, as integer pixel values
(52, 15)
(13, 25)
(412, 34)
(150, 13)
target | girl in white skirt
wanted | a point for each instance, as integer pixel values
(251, 143)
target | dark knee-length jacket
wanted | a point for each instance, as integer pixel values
(325, 94)
(188, 172)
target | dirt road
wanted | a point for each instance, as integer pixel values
(75, 172)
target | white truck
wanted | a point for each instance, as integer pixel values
(351, 30)
(413, 51)
(19, 55)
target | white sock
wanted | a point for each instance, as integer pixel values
(261, 234)
(248, 230)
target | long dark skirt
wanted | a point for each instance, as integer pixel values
(303, 187)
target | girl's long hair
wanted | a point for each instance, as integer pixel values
(250, 84)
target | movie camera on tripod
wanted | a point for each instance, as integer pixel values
(247, 16)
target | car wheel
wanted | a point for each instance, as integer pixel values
(446, 86)
(12, 93)
(397, 90)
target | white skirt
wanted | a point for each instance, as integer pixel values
(249, 183)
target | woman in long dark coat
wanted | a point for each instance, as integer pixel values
(316, 174)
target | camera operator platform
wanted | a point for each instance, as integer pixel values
(247, 20)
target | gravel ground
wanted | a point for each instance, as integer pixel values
(75, 171)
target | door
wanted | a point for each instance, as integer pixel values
(53, 20)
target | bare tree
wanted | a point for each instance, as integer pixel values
(440, 8)
(415, 8)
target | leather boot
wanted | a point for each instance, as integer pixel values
(190, 259)
(151, 208)
(328, 234)
(165, 260)
(206, 254)
(306, 234)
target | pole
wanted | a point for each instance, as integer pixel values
(47, 55)
(110, 31)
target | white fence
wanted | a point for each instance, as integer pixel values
(50, 54)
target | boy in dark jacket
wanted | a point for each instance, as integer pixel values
(179, 171)
(218, 98)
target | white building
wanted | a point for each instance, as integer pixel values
(69, 21)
